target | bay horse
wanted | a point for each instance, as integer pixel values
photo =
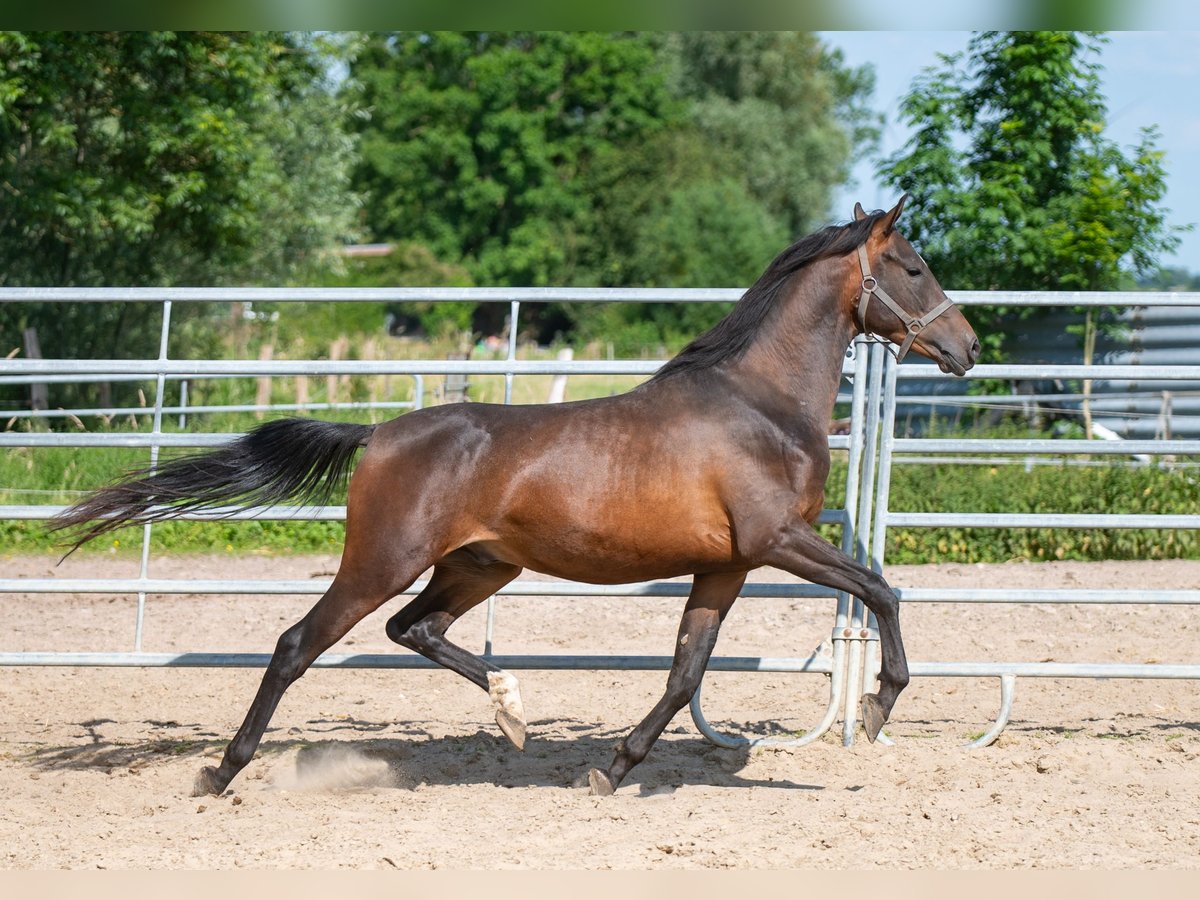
(713, 467)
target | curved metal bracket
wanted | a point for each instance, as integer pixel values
(837, 682)
(1008, 687)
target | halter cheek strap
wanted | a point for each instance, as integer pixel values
(870, 287)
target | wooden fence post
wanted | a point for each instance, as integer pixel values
(39, 393)
(262, 396)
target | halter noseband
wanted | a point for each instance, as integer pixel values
(870, 286)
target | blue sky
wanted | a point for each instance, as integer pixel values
(1149, 78)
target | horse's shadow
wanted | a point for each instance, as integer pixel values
(410, 758)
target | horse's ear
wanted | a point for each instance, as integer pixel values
(889, 221)
(859, 212)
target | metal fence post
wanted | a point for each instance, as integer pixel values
(156, 429)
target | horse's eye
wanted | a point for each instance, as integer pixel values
(914, 272)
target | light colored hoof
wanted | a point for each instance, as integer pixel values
(207, 782)
(513, 728)
(872, 716)
(600, 783)
(510, 712)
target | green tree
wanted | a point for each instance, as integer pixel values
(771, 123)
(1015, 185)
(482, 145)
(782, 109)
(612, 159)
(156, 158)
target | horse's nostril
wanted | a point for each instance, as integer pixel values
(975, 348)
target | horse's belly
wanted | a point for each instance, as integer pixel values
(614, 555)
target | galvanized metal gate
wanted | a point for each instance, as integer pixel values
(849, 658)
(896, 451)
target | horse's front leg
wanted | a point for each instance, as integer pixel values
(711, 597)
(803, 552)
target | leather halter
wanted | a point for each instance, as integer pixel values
(870, 286)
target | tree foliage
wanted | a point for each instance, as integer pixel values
(165, 158)
(161, 158)
(611, 159)
(485, 146)
(1016, 186)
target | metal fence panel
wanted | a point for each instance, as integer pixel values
(832, 658)
(877, 389)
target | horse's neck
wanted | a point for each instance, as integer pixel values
(798, 354)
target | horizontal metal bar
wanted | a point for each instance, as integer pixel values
(92, 377)
(831, 516)
(1040, 372)
(1054, 670)
(1141, 463)
(813, 664)
(370, 295)
(548, 294)
(1049, 595)
(1034, 445)
(188, 439)
(254, 368)
(115, 412)
(111, 440)
(1075, 298)
(1152, 397)
(273, 513)
(770, 590)
(1039, 520)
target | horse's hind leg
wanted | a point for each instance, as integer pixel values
(460, 582)
(710, 600)
(346, 602)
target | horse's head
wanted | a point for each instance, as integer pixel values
(899, 298)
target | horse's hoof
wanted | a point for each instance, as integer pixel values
(207, 782)
(510, 712)
(513, 728)
(600, 783)
(873, 716)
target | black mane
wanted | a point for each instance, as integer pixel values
(728, 339)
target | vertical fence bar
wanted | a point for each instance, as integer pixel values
(854, 465)
(862, 530)
(183, 399)
(156, 429)
(513, 313)
(887, 436)
(842, 673)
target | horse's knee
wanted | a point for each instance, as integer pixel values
(678, 694)
(881, 599)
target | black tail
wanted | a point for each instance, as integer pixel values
(300, 459)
